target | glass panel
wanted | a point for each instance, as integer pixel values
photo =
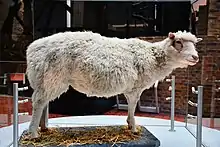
(214, 121)
(193, 78)
(210, 112)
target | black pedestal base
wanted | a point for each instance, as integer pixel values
(146, 139)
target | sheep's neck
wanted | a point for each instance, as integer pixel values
(160, 65)
(169, 63)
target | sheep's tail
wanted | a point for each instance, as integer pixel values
(30, 76)
(33, 71)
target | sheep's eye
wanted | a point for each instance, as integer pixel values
(179, 42)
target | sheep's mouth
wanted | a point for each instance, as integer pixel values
(193, 61)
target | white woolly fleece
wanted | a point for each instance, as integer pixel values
(100, 66)
(97, 65)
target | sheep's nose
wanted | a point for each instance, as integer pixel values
(195, 57)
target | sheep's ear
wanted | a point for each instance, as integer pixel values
(171, 35)
(199, 39)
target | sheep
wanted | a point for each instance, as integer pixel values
(103, 67)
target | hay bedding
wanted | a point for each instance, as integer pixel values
(82, 136)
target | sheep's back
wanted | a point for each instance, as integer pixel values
(92, 64)
(103, 68)
(103, 75)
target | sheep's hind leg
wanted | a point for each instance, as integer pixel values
(40, 100)
(44, 116)
(38, 104)
(132, 99)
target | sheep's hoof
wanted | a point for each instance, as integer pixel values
(129, 127)
(134, 130)
(44, 129)
(33, 135)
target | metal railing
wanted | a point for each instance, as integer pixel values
(199, 117)
(15, 111)
(199, 106)
(172, 112)
(44, 118)
(4, 77)
(142, 108)
(16, 102)
(151, 109)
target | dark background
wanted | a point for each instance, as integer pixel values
(50, 17)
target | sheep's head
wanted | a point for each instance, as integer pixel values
(182, 48)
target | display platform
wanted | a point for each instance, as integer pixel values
(158, 127)
(91, 136)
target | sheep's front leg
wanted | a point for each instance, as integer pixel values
(132, 99)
